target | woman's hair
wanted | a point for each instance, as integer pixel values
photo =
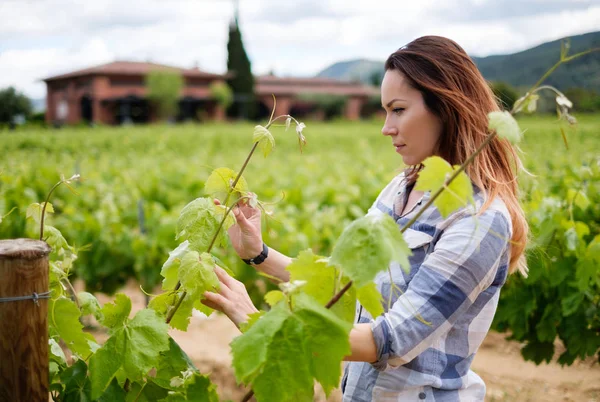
(456, 92)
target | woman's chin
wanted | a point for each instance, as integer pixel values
(409, 160)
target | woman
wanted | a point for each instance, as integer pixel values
(436, 103)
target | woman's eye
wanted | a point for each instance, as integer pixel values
(398, 110)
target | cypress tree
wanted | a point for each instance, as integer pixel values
(242, 83)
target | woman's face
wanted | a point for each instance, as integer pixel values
(413, 128)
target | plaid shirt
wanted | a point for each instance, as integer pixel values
(458, 266)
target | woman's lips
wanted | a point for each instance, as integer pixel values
(399, 147)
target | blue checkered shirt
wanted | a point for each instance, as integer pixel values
(458, 266)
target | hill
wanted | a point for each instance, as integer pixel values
(519, 69)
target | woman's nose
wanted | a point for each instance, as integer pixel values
(388, 129)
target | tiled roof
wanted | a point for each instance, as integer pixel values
(133, 68)
(266, 85)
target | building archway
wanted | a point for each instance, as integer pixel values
(86, 109)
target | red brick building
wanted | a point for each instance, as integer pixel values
(114, 93)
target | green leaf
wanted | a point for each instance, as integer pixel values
(282, 352)
(198, 222)
(197, 273)
(170, 268)
(571, 303)
(104, 364)
(148, 392)
(526, 103)
(56, 353)
(250, 349)
(370, 298)
(34, 211)
(367, 246)
(578, 198)
(457, 194)
(135, 347)
(89, 305)
(538, 351)
(218, 185)
(264, 138)
(287, 361)
(116, 313)
(321, 279)
(114, 393)
(182, 316)
(326, 338)
(273, 297)
(252, 319)
(54, 238)
(505, 126)
(171, 363)
(64, 322)
(197, 388)
(546, 327)
(77, 384)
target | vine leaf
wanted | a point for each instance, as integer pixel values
(170, 268)
(34, 211)
(367, 246)
(64, 323)
(370, 298)
(294, 347)
(505, 126)
(116, 313)
(198, 222)
(264, 138)
(218, 184)
(321, 279)
(135, 347)
(433, 176)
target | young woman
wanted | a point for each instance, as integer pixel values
(436, 103)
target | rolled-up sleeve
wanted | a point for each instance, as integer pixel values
(464, 262)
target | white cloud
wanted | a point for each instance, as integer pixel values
(39, 38)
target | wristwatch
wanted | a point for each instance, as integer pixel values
(259, 258)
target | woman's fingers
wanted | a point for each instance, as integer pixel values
(216, 201)
(241, 219)
(215, 301)
(224, 278)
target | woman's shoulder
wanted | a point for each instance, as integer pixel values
(496, 216)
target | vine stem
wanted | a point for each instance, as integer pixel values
(44, 209)
(215, 236)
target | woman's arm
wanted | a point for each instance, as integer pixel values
(362, 344)
(233, 300)
(275, 265)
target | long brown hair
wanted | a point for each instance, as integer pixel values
(456, 92)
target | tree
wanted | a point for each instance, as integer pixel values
(13, 103)
(221, 93)
(242, 82)
(163, 90)
(506, 93)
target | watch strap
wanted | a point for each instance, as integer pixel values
(259, 258)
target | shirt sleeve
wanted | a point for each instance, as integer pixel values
(468, 256)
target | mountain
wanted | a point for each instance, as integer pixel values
(520, 69)
(38, 104)
(353, 70)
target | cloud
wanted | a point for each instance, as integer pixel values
(39, 38)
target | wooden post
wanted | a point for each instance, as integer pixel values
(23, 323)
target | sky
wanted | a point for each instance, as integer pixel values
(42, 38)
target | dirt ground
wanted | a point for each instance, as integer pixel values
(507, 376)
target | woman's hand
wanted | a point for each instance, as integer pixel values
(232, 299)
(245, 235)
